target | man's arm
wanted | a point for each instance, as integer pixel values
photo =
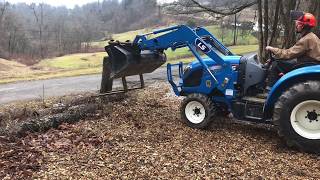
(295, 51)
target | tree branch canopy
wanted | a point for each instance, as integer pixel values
(223, 8)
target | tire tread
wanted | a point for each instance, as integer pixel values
(206, 102)
(282, 103)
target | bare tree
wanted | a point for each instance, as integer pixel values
(315, 9)
(3, 9)
(260, 27)
(266, 23)
(198, 6)
(275, 25)
(289, 30)
(39, 20)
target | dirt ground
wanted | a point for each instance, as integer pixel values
(141, 137)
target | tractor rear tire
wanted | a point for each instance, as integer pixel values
(297, 116)
(197, 111)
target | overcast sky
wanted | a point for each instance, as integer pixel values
(68, 3)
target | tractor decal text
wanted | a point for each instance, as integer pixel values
(204, 48)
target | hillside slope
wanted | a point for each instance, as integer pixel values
(12, 68)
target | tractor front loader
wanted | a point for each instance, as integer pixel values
(127, 59)
(223, 82)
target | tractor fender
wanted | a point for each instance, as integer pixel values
(299, 75)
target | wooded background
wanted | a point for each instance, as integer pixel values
(40, 30)
(36, 31)
(275, 27)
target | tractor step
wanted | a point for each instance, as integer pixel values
(254, 99)
(249, 108)
(262, 95)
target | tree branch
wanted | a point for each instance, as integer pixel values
(194, 6)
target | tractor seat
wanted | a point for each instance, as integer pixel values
(305, 64)
(299, 65)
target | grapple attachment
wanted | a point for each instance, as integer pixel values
(127, 59)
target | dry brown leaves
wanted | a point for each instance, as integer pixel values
(142, 137)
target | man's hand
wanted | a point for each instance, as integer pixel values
(268, 61)
(270, 48)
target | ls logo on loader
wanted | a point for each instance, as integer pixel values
(202, 46)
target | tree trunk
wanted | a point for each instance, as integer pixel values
(235, 30)
(289, 28)
(106, 81)
(275, 24)
(41, 32)
(9, 43)
(266, 24)
(2, 13)
(315, 10)
(12, 48)
(260, 32)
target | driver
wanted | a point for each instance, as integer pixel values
(306, 50)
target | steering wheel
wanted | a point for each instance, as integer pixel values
(272, 56)
(271, 60)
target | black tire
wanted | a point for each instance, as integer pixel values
(292, 102)
(221, 110)
(208, 111)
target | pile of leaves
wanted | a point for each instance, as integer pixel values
(142, 136)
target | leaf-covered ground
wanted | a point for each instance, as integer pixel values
(142, 137)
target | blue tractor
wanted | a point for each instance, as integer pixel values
(219, 83)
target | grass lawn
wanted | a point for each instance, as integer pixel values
(38, 75)
(223, 35)
(226, 36)
(130, 35)
(247, 42)
(90, 63)
(243, 49)
(184, 53)
(65, 66)
(74, 61)
(94, 60)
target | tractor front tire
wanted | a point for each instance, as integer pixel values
(297, 116)
(197, 111)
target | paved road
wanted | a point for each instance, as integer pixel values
(63, 86)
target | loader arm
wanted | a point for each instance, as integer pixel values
(183, 36)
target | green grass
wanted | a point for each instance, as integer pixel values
(93, 60)
(178, 53)
(130, 35)
(38, 75)
(91, 63)
(224, 35)
(75, 61)
(185, 56)
(243, 49)
(185, 52)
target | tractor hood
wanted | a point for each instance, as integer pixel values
(232, 59)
